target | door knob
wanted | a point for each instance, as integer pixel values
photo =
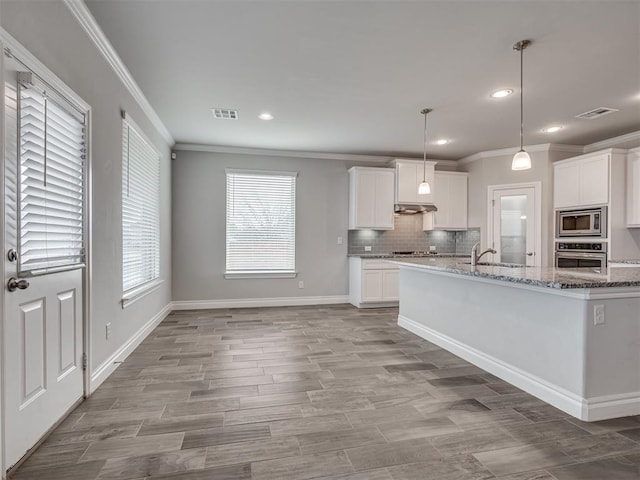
(13, 284)
(530, 254)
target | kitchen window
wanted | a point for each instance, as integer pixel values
(261, 224)
(140, 212)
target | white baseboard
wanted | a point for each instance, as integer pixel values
(558, 397)
(612, 406)
(258, 302)
(107, 367)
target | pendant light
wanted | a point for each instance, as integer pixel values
(424, 188)
(521, 160)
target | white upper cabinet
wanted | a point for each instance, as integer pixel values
(581, 181)
(633, 189)
(371, 198)
(409, 175)
(450, 196)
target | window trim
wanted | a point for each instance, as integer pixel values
(135, 294)
(258, 274)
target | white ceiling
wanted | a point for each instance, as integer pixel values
(352, 76)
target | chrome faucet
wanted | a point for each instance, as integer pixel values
(475, 258)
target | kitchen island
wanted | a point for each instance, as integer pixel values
(569, 337)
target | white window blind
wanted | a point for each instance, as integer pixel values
(51, 181)
(261, 213)
(140, 209)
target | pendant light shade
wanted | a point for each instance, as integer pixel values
(424, 188)
(521, 160)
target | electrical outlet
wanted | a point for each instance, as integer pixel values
(107, 330)
(598, 315)
(432, 248)
(301, 284)
(339, 241)
(367, 248)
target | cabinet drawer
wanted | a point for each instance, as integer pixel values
(378, 264)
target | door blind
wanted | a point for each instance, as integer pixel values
(51, 182)
(260, 222)
(140, 209)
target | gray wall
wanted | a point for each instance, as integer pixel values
(497, 171)
(50, 32)
(199, 228)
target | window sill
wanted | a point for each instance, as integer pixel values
(142, 291)
(245, 275)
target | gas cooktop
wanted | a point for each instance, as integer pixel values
(414, 253)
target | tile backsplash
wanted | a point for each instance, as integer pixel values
(409, 236)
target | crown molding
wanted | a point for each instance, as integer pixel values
(543, 147)
(613, 142)
(345, 157)
(196, 147)
(15, 49)
(86, 19)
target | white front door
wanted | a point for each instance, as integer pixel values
(514, 233)
(44, 224)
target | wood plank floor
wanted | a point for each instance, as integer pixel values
(319, 392)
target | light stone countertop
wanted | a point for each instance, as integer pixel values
(406, 255)
(561, 278)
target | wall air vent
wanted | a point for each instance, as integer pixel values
(596, 113)
(225, 113)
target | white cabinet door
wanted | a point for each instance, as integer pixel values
(409, 176)
(441, 198)
(566, 185)
(371, 285)
(371, 198)
(633, 189)
(390, 285)
(384, 200)
(407, 182)
(581, 182)
(450, 194)
(594, 180)
(365, 206)
(459, 215)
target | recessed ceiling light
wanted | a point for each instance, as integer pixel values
(265, 116)
(502, 93)
(552, 129)
(442, 141)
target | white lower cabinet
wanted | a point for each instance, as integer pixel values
(372, 282)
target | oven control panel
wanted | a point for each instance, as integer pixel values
(581, 247)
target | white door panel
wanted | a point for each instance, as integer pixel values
(43, 323)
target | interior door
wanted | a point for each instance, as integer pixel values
(44, 223)
(514, 226)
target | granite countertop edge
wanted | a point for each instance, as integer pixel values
(546, 277)
(391, 255)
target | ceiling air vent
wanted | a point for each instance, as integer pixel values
(596, 113)
(225, 113)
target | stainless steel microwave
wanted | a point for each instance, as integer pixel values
(587, 222)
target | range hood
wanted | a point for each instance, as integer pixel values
(409, 175)
(412, 209)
